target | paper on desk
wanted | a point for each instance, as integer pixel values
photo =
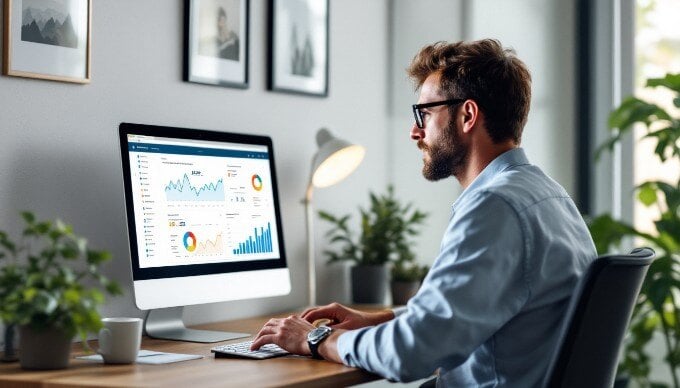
(150, 357)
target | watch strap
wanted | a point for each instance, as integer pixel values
(314, 345)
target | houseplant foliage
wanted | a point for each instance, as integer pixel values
(657, 309)
(387, 229)
(43, 279)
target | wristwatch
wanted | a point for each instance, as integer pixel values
(315, 337)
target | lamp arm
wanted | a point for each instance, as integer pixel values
(311, 263)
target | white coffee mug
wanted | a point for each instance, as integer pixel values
(120, 339)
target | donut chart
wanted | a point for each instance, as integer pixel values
(189, 241)
(256, 181)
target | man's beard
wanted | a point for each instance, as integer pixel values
(448, 157)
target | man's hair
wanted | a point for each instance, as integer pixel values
(485, 72)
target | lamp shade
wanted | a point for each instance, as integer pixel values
(335, 159)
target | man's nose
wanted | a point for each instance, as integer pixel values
(417, 133)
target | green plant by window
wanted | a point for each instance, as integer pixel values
(657, 307)
(43, 279)
(387, 231)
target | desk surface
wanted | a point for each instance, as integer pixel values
(206, 372)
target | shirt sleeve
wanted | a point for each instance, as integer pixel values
(397, 311)
(476, 284)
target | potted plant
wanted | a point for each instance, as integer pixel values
(406, 279)
(387, 229)
(657, 309)
(43, 291)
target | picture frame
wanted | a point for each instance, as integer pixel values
(298, 46)
(48, 39)
(216, 42)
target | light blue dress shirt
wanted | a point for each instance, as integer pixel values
(489, 311)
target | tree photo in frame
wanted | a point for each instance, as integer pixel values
(48, 39)
(298, 49)
(216, 42)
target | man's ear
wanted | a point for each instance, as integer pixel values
(470, 115)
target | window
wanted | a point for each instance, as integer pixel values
(657, 52)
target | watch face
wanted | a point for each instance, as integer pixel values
(318, 334)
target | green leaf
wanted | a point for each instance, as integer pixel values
(670, 81)
(633, 110)
(97, 296)
(97, 257)
(63, 228)
(69, 252)
(608, 232)
(28, 217)
(43, 228)
(72, 296)
(29, 294)
(113, 288)
(647, 194)
(666, 141)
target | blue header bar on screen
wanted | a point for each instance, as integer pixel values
(186, 150)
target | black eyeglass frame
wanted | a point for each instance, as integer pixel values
(419, 115)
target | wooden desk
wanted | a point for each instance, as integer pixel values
(207, 372)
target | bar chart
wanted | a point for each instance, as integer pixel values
(259, 242)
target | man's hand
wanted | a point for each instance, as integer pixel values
(289, 333)
(343, 317)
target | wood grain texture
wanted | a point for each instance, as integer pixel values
(290, 371)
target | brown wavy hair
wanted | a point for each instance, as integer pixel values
(485, 72)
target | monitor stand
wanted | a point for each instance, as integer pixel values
(167, 323)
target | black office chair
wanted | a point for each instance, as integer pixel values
(596, 320)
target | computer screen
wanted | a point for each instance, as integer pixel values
(203, 216)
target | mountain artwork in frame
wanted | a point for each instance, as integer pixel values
(48, 39)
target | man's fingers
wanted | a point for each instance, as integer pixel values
(261, 341)
(265, 330)
(272, 322)
(319, 313)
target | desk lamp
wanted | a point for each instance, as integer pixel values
(333, 162)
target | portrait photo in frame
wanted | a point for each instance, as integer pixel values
(298, 46)
(216, 42)
(48, 39)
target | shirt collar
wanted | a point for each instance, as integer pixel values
(508, 159)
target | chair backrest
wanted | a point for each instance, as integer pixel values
(588, 348)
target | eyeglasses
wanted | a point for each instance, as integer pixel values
(418, 114)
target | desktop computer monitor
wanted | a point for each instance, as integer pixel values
(203, 221)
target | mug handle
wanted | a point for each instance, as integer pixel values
(104, 341)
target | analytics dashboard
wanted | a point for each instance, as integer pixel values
(200, 202)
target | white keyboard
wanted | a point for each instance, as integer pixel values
(242, 349)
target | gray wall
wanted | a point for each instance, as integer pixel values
(60, 153)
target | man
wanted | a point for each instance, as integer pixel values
(489, 311)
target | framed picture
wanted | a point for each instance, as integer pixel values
(216, 42)
(298, 49)
(48, 39)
